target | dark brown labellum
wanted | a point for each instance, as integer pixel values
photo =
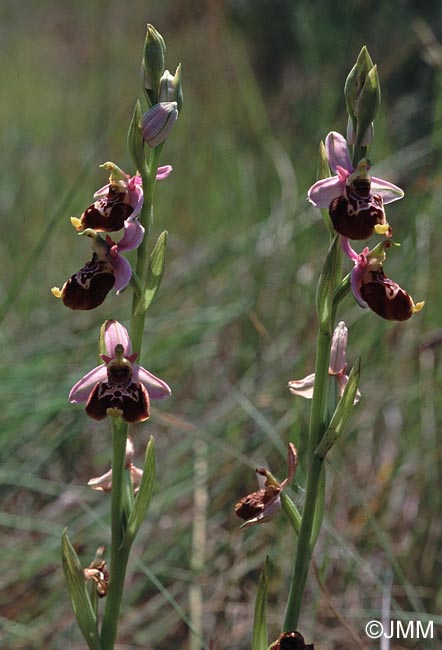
(253, 504)
(88, 288)
(355, 215)
(108, 213)
(292, 641)
(132, 400)
(386, 298)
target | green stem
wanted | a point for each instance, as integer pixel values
(118, 559)
(314, 470)
(142, 264)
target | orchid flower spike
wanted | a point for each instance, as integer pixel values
(88, 288)
(118, 384)
(261, 506)
(354, 199)
(103, 483)
(373, 289)
(291, 641)
(337, 367)
(116, 203)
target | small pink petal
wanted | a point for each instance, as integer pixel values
(163, 172)
(338, 349)
(342, 382)
(348, 249)
(136, 200)
(114, 334)
(156, 387)
(322, 193)
(303, 387)
(388, 191)
(101, 483)
(355, 282)
(337, 152)
(82, 389)
(103, 191)
(132, 236)
(122, 271)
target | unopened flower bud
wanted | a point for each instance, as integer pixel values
(170, 88)
(356, 79)
(158, 121)
(367, 104)
(153, 63)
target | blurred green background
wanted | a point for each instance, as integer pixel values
(232, 323)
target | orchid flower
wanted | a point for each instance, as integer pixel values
(98, 572)
(103, 483)
(337, 367)
(88, 288)
(291, 641)
(354, 199)
(116, 203)
(373, 289)
(261, 506)
(119, 386)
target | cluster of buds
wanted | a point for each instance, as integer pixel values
(163, 90)
(355, 200)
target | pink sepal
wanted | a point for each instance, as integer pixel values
(82, 389)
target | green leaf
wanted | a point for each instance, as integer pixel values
(154, 272)
(135, 141)
(142, 500)
(326, 285)
(291, 512)
(341, 415)
(259, 633)
(77, 588)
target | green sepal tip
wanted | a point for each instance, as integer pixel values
(78, 592)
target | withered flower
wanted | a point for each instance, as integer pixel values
(103, 483)
(97, 571)
(262, 505)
